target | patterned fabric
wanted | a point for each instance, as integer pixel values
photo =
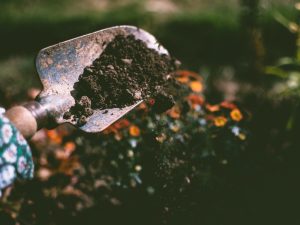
(15, 154)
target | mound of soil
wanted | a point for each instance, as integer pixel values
(126, 72)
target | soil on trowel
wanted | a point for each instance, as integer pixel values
(127, 71)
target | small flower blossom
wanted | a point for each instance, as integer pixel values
(130, 153)
(151, 101)
(21, 140)
(212, 108)
(187, 73)
(174, 112)
(122, 123)
(183, 80)
(134, 131)
(133, 143)
(196, 86)
(202, 122)
(227, 105)
(22, 165)
(142, 106)
(138, 168)
(7, 175)
(197, 108)
(6, 133)
(195, 99)
(220, 121)
(174, 127)
(236, 115)
(54, 136)
(69, 147)
(10, 154)
(161, 138)
(242, 136)
(235, 130)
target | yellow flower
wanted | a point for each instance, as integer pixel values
(236, 115)
(220, 121)
(134, 131)
(196, 86)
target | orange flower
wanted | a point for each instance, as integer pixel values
(68, 166)
(228, 105)
(210, 117)
(196, 86)
(134, 131)
(54, 136)
(114, 128)
(142, 106)
(69, 146)
(186, 73)
(212, 108)
(60, 154)
(183, 80)
(122, 123)
(110, 129)
(174, 112)
(195, 99)
(236, 115)
(220, 121)
(51, 133)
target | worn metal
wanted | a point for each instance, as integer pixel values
(39, 113)
(60, 65)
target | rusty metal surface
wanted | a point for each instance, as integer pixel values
(60, 65)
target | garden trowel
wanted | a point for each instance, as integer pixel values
(59, 67)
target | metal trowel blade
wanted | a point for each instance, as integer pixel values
(60, 65)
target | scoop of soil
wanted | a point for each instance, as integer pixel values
(127, 71)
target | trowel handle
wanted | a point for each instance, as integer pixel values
(28, 118)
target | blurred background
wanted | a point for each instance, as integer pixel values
(241, 171)
(204, 35)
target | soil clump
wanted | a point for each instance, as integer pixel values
(127, 71)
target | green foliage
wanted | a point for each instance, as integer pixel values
(288, 69)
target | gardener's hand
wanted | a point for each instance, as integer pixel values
(15, 154)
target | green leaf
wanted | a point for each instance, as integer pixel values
(273, 70)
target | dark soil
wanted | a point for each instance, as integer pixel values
(126, 72)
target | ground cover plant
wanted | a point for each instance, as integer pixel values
(145, 158)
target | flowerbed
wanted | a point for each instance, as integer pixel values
(146, 167)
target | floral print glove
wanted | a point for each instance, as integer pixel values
(15, 154)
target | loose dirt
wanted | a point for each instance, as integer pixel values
(126, 72)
